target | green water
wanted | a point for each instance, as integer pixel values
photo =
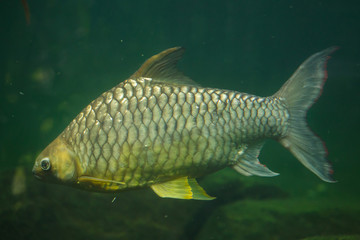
(72, 51)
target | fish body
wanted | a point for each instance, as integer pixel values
(160, 129)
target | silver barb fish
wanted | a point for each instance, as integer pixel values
(160, 129)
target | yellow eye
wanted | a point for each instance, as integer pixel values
(45, 164)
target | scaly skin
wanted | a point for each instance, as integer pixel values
(139, 134)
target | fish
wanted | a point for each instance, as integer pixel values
(160, 129)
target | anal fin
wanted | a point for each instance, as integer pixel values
(181, 188)
(248, 163)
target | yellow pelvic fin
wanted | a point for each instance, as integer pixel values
(101, 183)
(181, 188)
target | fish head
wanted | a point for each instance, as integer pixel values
(57, 163)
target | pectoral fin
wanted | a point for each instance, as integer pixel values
(181, 188)
(99, 183)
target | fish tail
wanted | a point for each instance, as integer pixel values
(299, 93)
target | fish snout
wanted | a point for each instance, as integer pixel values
(36, 173)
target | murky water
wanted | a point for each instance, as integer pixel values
(72, 51)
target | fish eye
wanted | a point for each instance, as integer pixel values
(45, 164)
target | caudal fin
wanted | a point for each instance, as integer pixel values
(299, 93)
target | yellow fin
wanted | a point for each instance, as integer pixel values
(101, 183)
(181, 188)
(162, 68)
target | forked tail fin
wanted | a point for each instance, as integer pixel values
(299, 93)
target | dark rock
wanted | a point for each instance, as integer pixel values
(281, 219)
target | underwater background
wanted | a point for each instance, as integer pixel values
(69, 52)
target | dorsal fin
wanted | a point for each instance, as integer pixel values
(162, 68)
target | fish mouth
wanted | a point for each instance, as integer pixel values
(36, 174)
(37, 177)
